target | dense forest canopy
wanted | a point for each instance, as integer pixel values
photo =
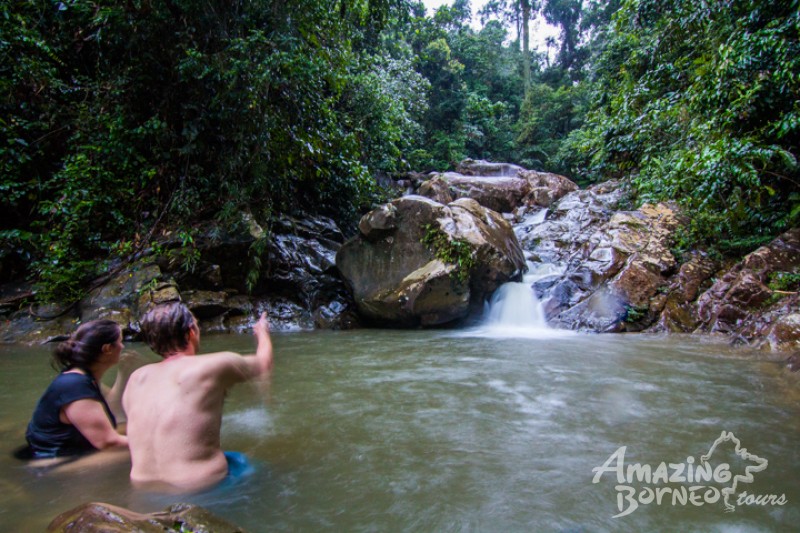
(121, 120)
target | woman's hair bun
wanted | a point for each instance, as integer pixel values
(85, 345)
(67, 354)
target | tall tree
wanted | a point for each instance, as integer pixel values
(518, 13)
(566, 14)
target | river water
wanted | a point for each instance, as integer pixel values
(442, 430)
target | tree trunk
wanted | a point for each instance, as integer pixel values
(526, 56)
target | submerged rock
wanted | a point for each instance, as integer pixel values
(403, 267)
(106, 518)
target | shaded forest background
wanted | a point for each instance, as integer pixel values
(121, 120)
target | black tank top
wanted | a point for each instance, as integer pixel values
(47, 435)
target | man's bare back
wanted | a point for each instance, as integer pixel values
(174, 410)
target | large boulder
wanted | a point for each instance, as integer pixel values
(544, 188)
(107, 518)
(480, 167)
(502, 194)
(501, 187)
(419, 262)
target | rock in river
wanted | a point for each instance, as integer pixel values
(419, 262)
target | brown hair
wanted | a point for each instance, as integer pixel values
(85, 345)
(165, 328)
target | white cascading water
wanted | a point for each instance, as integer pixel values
(529, 221)
(516, 312)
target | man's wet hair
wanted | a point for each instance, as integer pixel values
(165, 328)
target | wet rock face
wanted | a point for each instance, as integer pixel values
(289, 272)
(294, 279)
(741, 302)
(120, 298)
(784, 333)
(396, 276)
(620, 274)
(677, 304)
(30, 327)
(615, 262)
(106, 518)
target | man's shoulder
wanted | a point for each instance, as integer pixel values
(193, 369)
(218, 361)
(218, 357)
(228, 367)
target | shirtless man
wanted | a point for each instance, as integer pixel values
(174, 407)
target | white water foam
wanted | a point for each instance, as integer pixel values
(515, 312)
(253, 421)
(528, 222)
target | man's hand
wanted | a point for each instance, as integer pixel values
(261, 328)
(264, 349)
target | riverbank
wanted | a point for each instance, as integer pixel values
(614, 269)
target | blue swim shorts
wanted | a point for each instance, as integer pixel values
(238, 466)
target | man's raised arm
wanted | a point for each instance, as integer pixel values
(235, 368)
(263, 357)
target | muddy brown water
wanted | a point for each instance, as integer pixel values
(449, 431)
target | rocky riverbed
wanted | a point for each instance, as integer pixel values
(432, 256)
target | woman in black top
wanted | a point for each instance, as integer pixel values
(72, 416)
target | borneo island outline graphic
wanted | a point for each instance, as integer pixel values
(692, 484)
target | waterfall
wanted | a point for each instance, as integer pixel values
(514, 305)
(514, 310)
(528, 222)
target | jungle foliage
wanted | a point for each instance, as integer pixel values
(698, 102)
(120, 121)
